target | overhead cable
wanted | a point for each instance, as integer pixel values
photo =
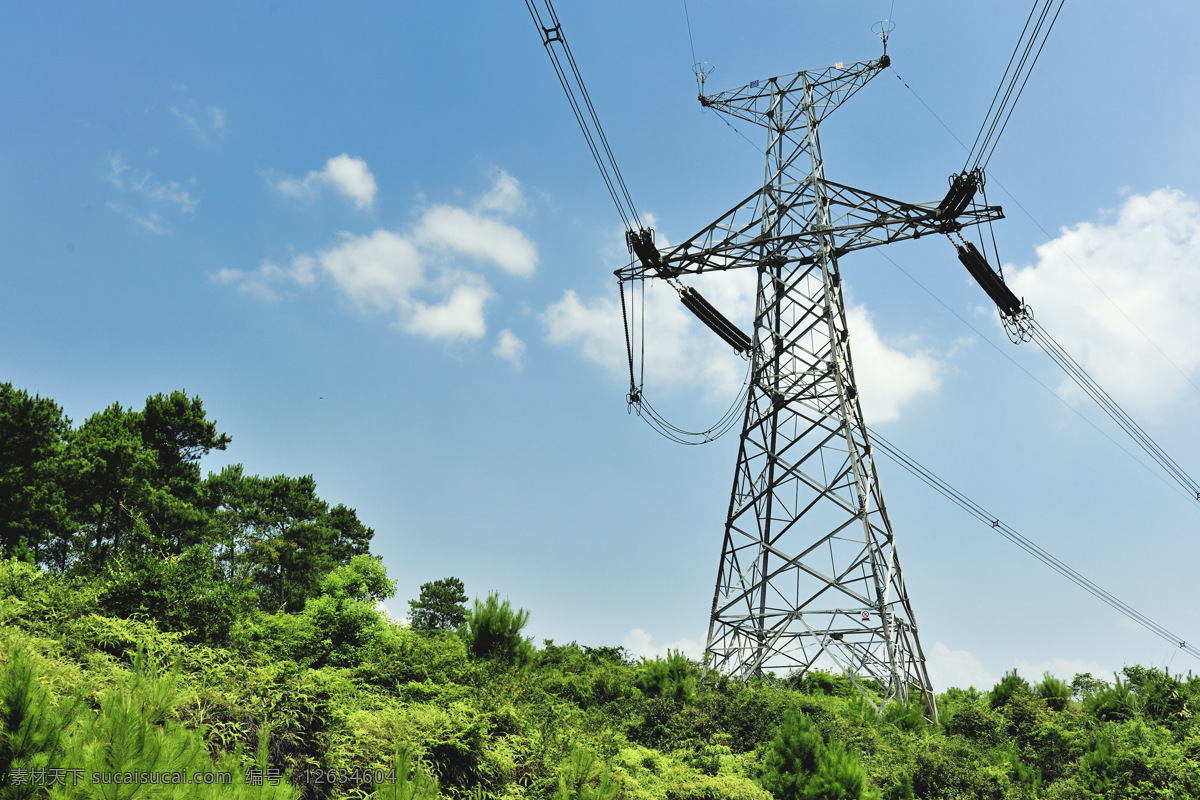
(1008, 532)
(585, 113)
(1084, 381)
(1012, 84)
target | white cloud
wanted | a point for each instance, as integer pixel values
(459, 316)
(345, 174)
(1144, 255)
(681, 353)
(378, 271)
(510, 348)
(471, 234)
(639, 643)
(156, 195)
(887, 378)
(958, 668)
(406, 274)
(504, 197)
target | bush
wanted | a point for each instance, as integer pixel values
(1009, 685)
(672, 678)
(184, 593)
(31, 727)
(798, 765)
(1055, 692)
(493, 631)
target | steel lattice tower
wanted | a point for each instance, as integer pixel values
(809, 573)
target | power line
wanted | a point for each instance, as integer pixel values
(1118, 415)
(585, 112)
(1030, 547)
(1033, 377)
(1009, 92)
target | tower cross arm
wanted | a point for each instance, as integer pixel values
(858, 220)
(823, 90)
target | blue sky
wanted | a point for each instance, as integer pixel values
(372, 240)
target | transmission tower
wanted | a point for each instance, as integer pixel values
(809, 574)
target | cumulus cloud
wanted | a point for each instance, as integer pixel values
(639, 643)
(345, 174)
(469, 233)
(155, 196)
(510, 348)
(681, 353)
(888, 378)
(1144, 256)
(505, 195)
(958, 668)
(410, 275)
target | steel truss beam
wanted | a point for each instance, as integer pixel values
(809, 575)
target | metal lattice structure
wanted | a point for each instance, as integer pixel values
(809, 575)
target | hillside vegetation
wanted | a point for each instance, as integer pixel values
(156, 620)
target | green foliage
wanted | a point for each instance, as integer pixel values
(1009, 685)
(344, 615)
(799, 765)
(815, 681)
(31, 727)
(581, 777)
(1113, 703)
(493, 631)
(185, 593)
(1161, 696)
(1084, 685)
(1054, 691)
(440, 606)
(673, 677)
(411, 781)
(32, 503)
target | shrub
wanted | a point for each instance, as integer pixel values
(1009, 685)
(493, 631)
(1113, 703)
(672, 678)
(31, 727)
(1055, 692)
(798, 765)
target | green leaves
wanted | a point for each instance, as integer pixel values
(673, 678)
(31, 728)
(493, 630)
(799, 765)
(440, 606)
(32, 503)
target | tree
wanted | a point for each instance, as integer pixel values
(32, 435)
(276, 536)
(440, 606)
(493, 630)
(798, 765)
(107, 476)
(345, 613)
(174, 427)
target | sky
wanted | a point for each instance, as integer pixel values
(372, 240)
